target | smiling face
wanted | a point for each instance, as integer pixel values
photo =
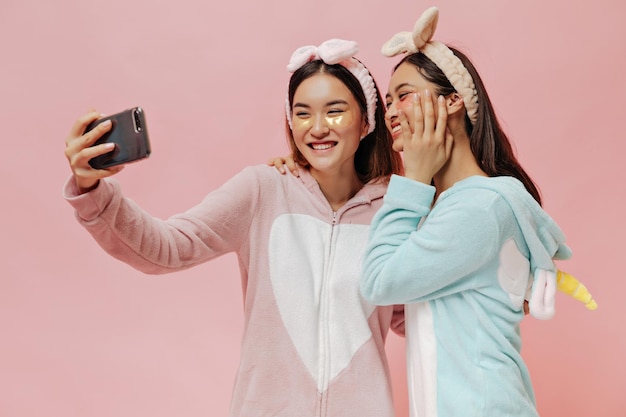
(404, 84)
(327, 124)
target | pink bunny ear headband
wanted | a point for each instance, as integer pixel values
(452, 67)
(338, 51)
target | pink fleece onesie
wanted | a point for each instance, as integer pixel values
(312, 346)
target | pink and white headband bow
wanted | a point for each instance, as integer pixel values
(421, 40)
(338, 51)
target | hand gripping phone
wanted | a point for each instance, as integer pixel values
(128, 132)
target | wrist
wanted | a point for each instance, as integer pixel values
(418, 176)
(85, 188)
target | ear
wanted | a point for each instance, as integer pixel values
(364, 127)
(455, 104)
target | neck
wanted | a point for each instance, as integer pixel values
(461, 164)
(337, 187)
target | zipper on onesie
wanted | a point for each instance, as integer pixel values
(324, 342)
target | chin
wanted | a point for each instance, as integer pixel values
(397, 146)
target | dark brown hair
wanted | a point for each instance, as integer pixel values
(374, 158)
(489, 144)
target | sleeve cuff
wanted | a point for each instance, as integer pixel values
(89, 205)
(409, 194)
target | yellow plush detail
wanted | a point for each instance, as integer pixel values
(569, 285)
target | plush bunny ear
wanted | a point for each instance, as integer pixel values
(333, 51)
(301, 56)
(400, 43)
(543, 294)
(425, 27)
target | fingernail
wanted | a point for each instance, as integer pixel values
(109, 145)
(106, 123)
(440, 99)
(427, 93)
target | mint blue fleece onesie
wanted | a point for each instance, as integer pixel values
(463, 267)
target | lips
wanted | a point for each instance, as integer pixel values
(396, 130)
(322, 146)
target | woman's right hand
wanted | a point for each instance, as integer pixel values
(428, 143)
(78, 151)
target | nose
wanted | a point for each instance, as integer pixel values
(320, 127)
(391, 112)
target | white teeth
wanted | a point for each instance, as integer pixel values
(321, 146)
(396, 128)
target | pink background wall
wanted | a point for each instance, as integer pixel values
(84, 335)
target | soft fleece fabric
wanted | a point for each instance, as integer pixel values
(312, 346)
(463, 268)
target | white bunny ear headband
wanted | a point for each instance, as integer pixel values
(421, 41)
(338, 51)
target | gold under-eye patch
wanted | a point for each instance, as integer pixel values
(344, 119)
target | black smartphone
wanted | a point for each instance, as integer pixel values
(129, 133)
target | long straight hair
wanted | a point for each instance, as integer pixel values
(490, 146)
(374, 158)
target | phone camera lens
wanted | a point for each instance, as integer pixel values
(138, 126)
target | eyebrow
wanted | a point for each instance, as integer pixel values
(330, 103)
